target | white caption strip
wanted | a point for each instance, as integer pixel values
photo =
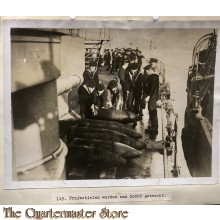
(109, 197)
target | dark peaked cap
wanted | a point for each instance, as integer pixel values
(90, 83)
(112, 84)
(154, 60)
(100, 87)
(92, 63)
(134, 66)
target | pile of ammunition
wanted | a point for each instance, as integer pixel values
(101, 145)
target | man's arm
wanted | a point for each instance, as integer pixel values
(105, 99)
(109, 99)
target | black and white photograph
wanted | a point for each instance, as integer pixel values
(112, 106)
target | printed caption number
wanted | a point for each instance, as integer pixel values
(135, 196)
(61, 198)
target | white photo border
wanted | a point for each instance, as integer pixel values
(126, 25)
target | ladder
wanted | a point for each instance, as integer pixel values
(92, 44)
(92, 51)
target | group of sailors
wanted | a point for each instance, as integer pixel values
(112, 59)
(129, 90)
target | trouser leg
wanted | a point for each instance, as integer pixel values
(137, 105)
(153, 114)
(153, 119)
(130, 101)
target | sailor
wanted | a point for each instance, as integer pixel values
(146, 72)
(134, 89)
(107, 59)
(121, 75)
(152, 95)
(115, 95)
(87, 99)
(102, 96)
(133, 56)
(145, 86)
(91, 73)
(119, 61)
(139, 59)
(114, 58)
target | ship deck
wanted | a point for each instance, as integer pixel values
(152, 162)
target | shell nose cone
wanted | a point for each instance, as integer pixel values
(133, 117)
(139, 145)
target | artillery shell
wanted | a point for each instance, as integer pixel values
(106, 123)
(92, 155)
(117, 115)
(104, 134)
(107, 145)
(122, 129)
(122, 150)
(125, 151)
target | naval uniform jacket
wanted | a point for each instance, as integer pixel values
(152, 90)
(102, 99)
(87, 75)
(86, 100)
(134, 85)
(139, 58)
(121, 75)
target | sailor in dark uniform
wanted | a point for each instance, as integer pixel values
(87, 99)
(145, 86)
(91, 73)
(118, 61)
(152, 95)
(115, 95)
(121, 75)
(134, 89)
(139, 58)
(102, 95)
(107, 59)
(114, 59)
